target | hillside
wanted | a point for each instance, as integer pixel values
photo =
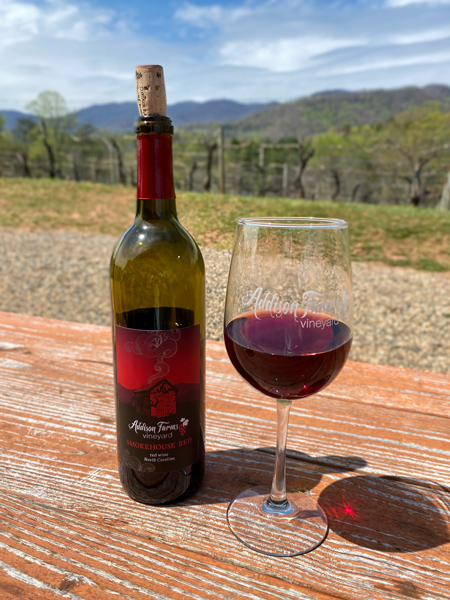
(303, 117)
(11, 117)
(317, 113)
(121, 117)
(394, 235)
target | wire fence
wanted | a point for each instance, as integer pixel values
(342, 180)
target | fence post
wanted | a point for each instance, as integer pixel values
(285, 181)
(444, 204)
(221, 157)
(261, 157)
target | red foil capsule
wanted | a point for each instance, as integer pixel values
(154, 166)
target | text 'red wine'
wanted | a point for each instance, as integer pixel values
(287, 356)
(158, 303)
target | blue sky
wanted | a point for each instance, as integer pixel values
(243, 50)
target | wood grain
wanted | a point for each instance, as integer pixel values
(373, 448)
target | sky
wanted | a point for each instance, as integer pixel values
(249, 51)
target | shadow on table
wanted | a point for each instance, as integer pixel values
(388, 514)
(229, 472)
(385, 513)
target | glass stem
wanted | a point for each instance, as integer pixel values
(277, 501)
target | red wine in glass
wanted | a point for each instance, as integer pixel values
(287, 356)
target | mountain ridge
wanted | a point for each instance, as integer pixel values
(299, 118)
(317, 113)
(120, 117)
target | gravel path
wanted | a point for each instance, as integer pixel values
(402, 315)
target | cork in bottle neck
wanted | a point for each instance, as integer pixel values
(151, 91)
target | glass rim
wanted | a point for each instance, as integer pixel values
(295, 222)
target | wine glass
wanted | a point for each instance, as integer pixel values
(288, 331)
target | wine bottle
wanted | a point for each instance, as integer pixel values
(158, 306)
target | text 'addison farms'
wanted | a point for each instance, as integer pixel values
(161, 426)
(273, 303)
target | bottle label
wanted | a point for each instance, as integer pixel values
(158, 397)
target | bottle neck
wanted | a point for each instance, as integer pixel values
(155, 186)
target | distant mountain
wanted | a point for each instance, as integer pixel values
(121, 117)
(329, 93)
(303, 117)
(11, 117)
(317, 113)
(213, 111)
(115, 117)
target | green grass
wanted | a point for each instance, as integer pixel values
(393, 235)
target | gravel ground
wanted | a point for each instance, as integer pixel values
(402, 315)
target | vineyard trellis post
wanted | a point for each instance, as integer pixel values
(285, 180)
(221, 159)
(444, 204)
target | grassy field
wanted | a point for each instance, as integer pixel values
(393, 235)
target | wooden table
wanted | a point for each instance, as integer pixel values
(373, 449)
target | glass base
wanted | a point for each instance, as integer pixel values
(297, 530)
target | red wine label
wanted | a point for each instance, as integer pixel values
(158, 397)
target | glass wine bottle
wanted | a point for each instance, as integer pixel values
(158, 306)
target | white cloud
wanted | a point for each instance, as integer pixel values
(207, 16)
(400, 3)
(282, 55)
(261, 50)
(61, 45)
(394, 62)
(314, 41)
(23, 21)
(18, 22)
(420, 37)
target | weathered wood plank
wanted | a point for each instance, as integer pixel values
(379, 466)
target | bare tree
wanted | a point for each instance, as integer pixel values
(82, 139)
(211, 147)
(305, 153)
(25, 132)
(416, 191)
(192, 170)
(417, 137)
(54, 123)
(120, 163)
(336, 184)
(361, 192)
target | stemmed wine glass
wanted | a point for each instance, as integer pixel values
(288, 331)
